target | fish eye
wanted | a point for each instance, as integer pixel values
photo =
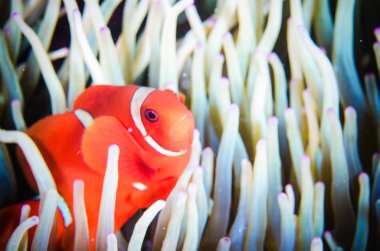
(151, 115)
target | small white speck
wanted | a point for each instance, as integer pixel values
(139, 186)
(130, 129)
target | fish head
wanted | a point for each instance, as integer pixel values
(163, 120)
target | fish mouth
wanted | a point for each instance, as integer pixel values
(137, 100)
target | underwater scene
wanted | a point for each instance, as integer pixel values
(189, 125)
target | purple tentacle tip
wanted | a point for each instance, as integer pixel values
(7, 30)
(306, 91)
(226, 239)
(211, 20)
(369, 75)
(288, 110)
(320, 184)
(317, 240)
(350, 109)
(220, 56)
(103, 29)
(305, 158)
(301, 28)
(272, 56)
(363, 176)
(273, 119)
(198, 47)
(16, 15)
(330, 110)
(235, 107)
(224, 81)
(15, 102)
(226, 34)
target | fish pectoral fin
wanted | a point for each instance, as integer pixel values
(105, 131)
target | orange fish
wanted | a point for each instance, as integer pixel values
(154, 131)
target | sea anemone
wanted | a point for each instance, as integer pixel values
(286, 102)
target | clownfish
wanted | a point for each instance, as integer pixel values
(154, 132)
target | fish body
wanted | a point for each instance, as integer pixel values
(153, 130)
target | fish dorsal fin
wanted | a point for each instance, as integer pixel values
(105, 131)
